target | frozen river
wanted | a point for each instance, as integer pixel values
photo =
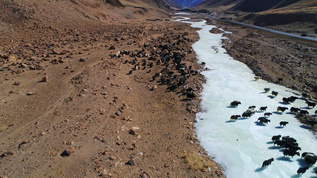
(241, 146)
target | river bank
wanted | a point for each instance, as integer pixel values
(241, 145)
(101, 100)
(278, 59)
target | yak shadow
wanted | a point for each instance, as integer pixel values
(290, 113)
(279, 113)
(231, 106)
(296, 175)
(301, 162)
(314, 171)
(305, 127)
(230, 121)
(270, 96)
(242, 118)
(305, 108)
(260, 169)
(283, 103)
(282, 158)
(259, 123)
(282, 149)
(273, 148)
(279, 127)
(270, 142)
(315, 115)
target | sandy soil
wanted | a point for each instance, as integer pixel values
(72, 106)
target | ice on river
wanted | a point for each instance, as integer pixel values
(240, 147)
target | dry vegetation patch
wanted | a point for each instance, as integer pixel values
(198, 162)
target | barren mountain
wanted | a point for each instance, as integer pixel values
(216, 5)
(258, 5)
(295, 16)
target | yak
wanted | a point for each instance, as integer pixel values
(302, 170)
(280, 108)
(294, 110)
(234, 117)
(263, 120)
(310, 104)
(274, 93)
(276, 137)
(283, 123)
(263, 108)
(290, 153)
(267, 114)
(267, 162)
(235, 103)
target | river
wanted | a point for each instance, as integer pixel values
(241, 146)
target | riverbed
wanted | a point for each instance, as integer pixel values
(241, 146)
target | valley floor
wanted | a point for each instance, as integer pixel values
(72, 105)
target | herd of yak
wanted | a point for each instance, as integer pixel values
(288, 144)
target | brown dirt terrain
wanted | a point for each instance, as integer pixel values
(86, 93)
(278, 59)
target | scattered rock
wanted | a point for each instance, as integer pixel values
(33, 58)
(36, 67)
(7, 153)
(23, 65)
(30, 93)
(16, 83)
(133, 130)
(44, 79)
(55, 51)
(154, 87)
(130, 162)
(23, 143)
(145, 175)
(81, 60)
(12, 58)
(67, 152)
(112, 47)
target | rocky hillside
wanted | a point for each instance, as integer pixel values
(18, 15)
(294, 16)
(299, 17)
(258, 5)
(216, 5)
(83, 10)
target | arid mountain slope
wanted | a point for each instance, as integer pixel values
(295, 16)
(216, 5)
(258, 5)
(299, 17)
(20, 15)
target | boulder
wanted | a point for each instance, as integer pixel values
(12, 58)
